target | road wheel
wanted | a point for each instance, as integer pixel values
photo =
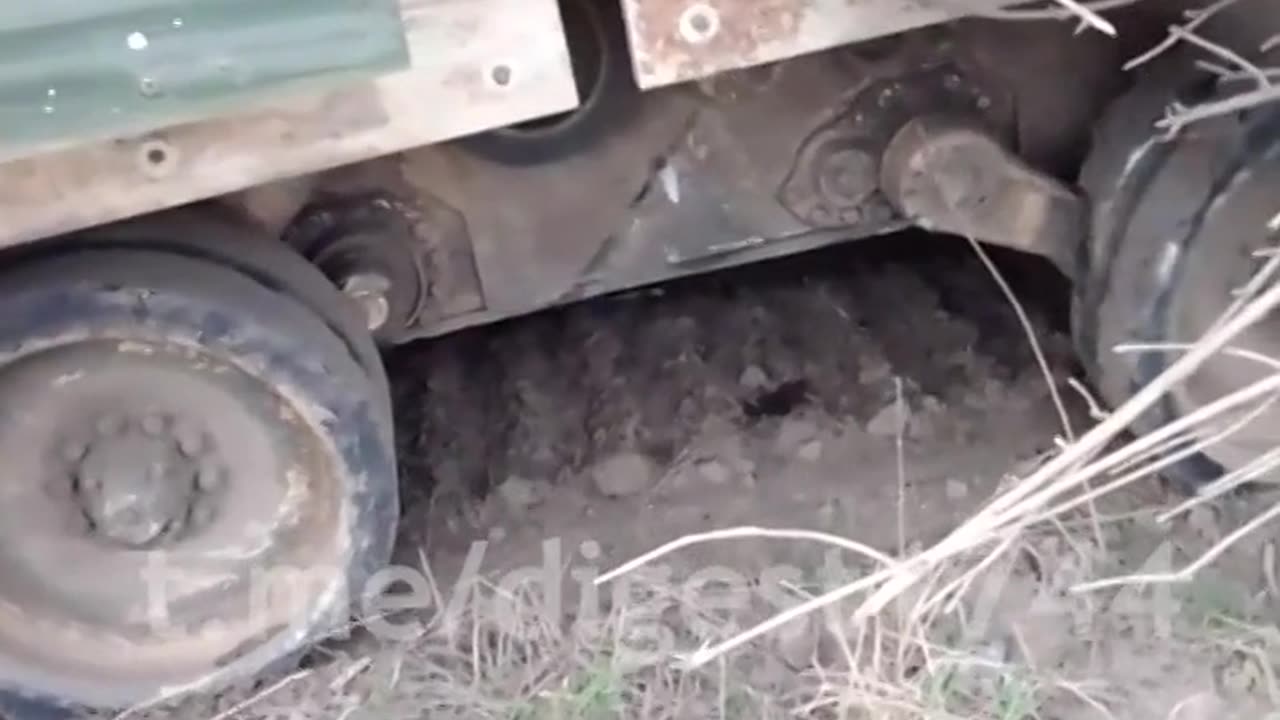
(1177, 228)
(198, 467)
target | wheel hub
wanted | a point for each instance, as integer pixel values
(139, 481)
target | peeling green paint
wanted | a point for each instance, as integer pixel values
(73, 69)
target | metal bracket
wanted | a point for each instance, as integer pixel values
(945, 174)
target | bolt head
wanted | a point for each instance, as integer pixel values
(848, 176)
(376, 311)
(371, 293)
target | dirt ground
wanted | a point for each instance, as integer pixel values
(876, 394)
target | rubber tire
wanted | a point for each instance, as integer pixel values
(95, 292)
(1117, 278)
(1114, 179)
(211, 232)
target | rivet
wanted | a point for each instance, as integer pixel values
(157, 158)
(501, 75)
(699, 23)
(149, 87)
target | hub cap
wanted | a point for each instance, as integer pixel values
(147, 488)
(144, 480)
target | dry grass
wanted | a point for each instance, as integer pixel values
(890, 625)
(916, 660)
(1244, 85)
(1087, 13)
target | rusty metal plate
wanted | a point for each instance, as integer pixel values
(475, 65)
(678, 40)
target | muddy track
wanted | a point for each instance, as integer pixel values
(547, 395)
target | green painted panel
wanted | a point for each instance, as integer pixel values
(94, 68)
